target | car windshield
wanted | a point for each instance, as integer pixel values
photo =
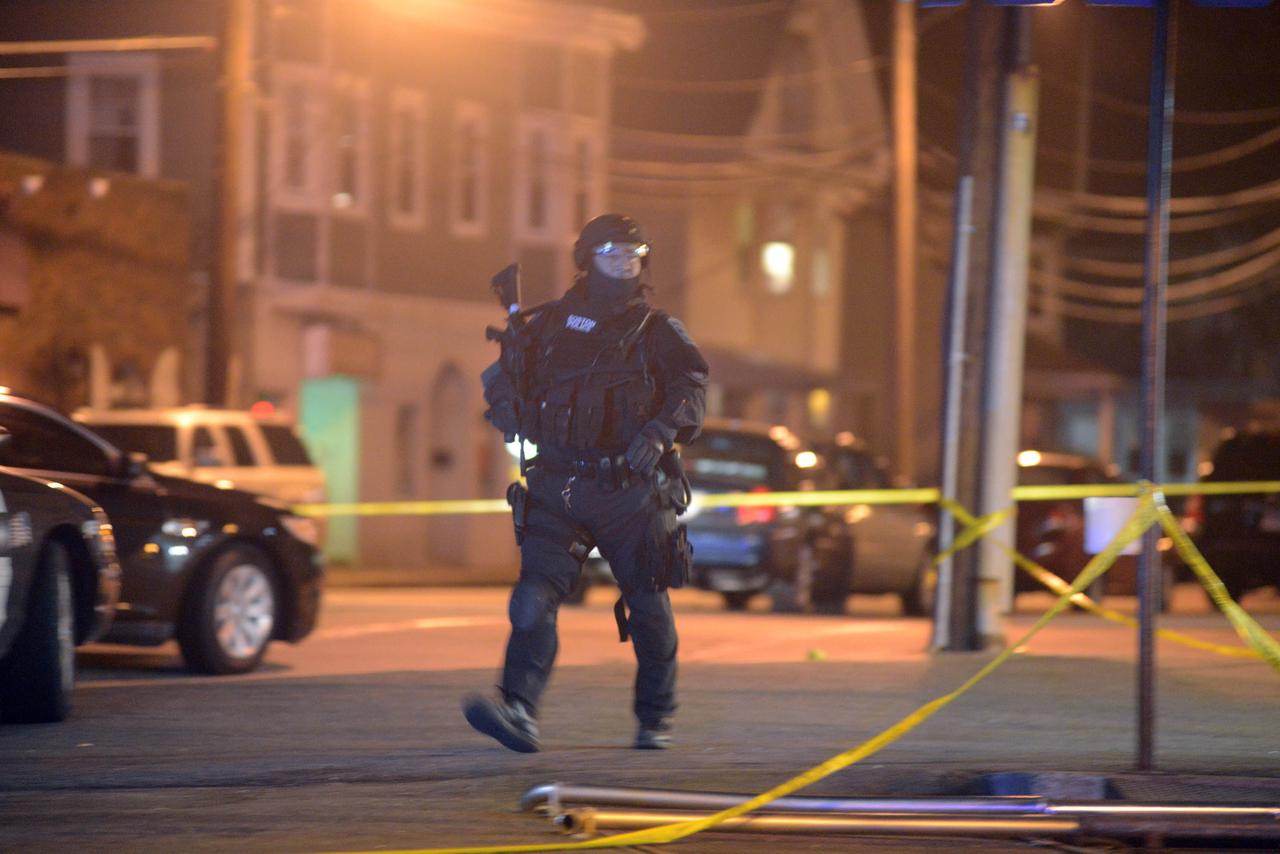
(285, 447)
(727, 460)
(159, 442)
(1248, 458)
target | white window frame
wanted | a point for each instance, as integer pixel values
(411, 105)
(475, 114)
(81, 69)
(310, 79)
(548, 172)
(592, 135)
(358, 89)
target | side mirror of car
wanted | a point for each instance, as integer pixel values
(133, 465)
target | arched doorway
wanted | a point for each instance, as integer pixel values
(449, 441)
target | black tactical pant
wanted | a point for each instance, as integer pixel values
(632, 530)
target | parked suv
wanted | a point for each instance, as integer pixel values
(796, 553)
(1240, 534)
(226, 447)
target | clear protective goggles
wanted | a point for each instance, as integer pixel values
(627, 251)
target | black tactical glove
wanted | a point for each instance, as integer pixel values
(647, 448)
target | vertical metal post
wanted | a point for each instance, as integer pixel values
(225, 283)
(953, 347)
(904, 231)
(1155, 282)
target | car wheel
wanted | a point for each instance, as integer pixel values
(230, 614)
(921, 599)
(38, 675)
(795, 596)
(831, 588)
(736, 600)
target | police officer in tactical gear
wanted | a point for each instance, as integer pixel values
(610, 385)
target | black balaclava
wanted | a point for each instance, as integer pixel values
(610, 297)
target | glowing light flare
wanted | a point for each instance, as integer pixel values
(778, 261)
(1026, 459)
(806, 459)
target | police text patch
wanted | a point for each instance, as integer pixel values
(580, 323)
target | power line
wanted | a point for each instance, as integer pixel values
(1178, 266)
(1180, 115)
(752, 84)
(1238, 277)
(1193, 311)
(1205, 160)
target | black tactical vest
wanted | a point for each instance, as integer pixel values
(590, 387)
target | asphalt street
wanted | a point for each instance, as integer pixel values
(353, 740)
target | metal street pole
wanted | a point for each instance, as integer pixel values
(905, 231)
(234, 84)
(968, 286)
(1155, 283)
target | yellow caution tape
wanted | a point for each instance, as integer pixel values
(1141, 519)
(1246, 627)
(406, 508)
(805, 498)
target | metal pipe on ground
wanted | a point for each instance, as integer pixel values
(588, 820)
(549, 797)
(906, 815)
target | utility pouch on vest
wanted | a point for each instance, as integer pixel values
(678, 568)
(518, 498)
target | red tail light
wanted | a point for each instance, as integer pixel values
(757, 515)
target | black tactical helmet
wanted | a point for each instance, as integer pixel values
(612, 227)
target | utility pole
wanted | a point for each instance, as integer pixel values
(967, 618)
(1006, 348)
(1155, 285)
(905, 232)
(234, 89)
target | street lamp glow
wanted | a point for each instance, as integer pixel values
(1029, 458)
(806, 459)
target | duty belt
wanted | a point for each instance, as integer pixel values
(611, 472)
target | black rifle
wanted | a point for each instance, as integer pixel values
(506, 287)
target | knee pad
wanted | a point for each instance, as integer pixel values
(532, 602)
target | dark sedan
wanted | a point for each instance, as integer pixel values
(801, 555)
(222, 571)
(59, 580)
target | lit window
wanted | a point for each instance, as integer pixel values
(470, 177)
(113, 113)
(408, 159)
(778, 261)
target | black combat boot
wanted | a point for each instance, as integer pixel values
(507, 720)
(654, 736)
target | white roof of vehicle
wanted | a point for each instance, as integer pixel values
(192, 414)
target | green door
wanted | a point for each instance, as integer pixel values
(330, 423)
